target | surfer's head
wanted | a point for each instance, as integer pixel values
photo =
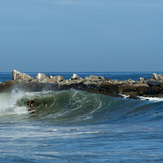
(35, 100)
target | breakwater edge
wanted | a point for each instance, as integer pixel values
(152, 87)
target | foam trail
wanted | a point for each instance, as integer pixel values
(20, 110)
(154, 99)
(124, 96)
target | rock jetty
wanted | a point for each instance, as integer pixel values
(96, 84)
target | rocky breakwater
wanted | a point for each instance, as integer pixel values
(96, 84)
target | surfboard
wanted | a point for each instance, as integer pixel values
(33, 111)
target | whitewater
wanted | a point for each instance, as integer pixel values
(77, 126)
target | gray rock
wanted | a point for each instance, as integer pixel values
(75, 77)
(141, 80)
(142, 88)
(128, 89)
(154, 90)
(42, 78)
(50, 77)
(60, 78)
(115, 81)
(161, 77)
(18, 76)
(153, 83)
(93, 77)
(125, 82)
(86, 78)
(155, 77)
(109, 88)
(130, 81)
(121, 82)
(56, 79)
(7, 86)
(33, 81)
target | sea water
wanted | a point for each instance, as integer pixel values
(77, 126)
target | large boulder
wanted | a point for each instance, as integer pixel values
(142, 80)
(161, 77)
(142, 88)
(93, 77)
(7, 86)
(154, 91)
(130, 81)
(155, 77)
(56, 79)
(42, 78)
(75, 77)
(153, 83)
(114, 81)
(128, 89)
(109, 88)
(137, 89)
(18, 76)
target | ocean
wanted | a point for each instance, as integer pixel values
(76, 126)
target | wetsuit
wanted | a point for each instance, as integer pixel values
(29, 103)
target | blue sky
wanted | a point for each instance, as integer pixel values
(81, 35)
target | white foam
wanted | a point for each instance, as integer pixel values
(8, 103)
(4, 101)
(124, 96)
(20, 110)
(154, 99)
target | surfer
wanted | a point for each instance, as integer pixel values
(30, 104)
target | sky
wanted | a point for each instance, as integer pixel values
(81, 35)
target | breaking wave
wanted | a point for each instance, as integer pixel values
(79, 107)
